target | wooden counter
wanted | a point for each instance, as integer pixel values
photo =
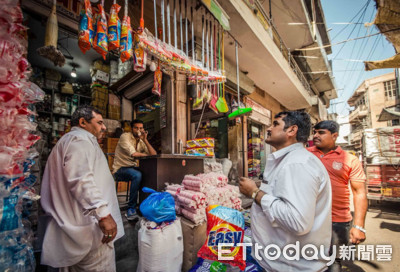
(159, 169)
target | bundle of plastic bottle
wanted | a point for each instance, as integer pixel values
(17, 95)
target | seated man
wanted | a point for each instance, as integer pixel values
(130, 147)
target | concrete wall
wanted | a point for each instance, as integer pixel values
(267, 101)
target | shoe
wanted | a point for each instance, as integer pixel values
(131, 214)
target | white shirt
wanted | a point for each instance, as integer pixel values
(77, 188)
(296, 207)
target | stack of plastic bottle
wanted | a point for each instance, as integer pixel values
(17, 95)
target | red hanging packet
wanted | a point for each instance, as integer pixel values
(85, 38)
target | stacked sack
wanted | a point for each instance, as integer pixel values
(198, 192)
(16, 156)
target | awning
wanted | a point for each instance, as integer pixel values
(392, 62)
(388, 114)
(388, 22)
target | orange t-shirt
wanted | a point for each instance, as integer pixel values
(342, 167)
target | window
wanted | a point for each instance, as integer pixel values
(360, 102)
(390, 89)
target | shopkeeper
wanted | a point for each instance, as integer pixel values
(131, 146)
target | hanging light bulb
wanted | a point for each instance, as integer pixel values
(73, 72)
(153, 66)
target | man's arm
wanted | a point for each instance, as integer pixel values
(293, 205)
(360, 210)
(150, 149)
(357, 183)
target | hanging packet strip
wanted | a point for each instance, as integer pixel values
(126, 36)
(101, 40)
(114, 28)
(224, 226)
(85, 38)
(157, 82)
(140, 56)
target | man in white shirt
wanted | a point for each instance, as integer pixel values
(292, 207)
(78, 196)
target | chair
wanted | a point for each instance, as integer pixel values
(110, 158)
(128, 187)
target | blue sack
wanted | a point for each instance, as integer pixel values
(158, 207)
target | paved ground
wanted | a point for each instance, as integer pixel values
(383, 228)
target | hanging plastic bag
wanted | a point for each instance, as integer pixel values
(85, 38)
(114, 27)
(158, 207)
(224, 225)
(100, 43)
(157, 81)
(126, 36)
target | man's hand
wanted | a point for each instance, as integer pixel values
(247, 186)
(143, 135)
(109, 228)
(356, 236)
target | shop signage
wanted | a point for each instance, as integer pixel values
(68, 8)
(259, 113)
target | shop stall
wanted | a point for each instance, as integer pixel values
(164, 66)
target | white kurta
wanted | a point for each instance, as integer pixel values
(77, 187)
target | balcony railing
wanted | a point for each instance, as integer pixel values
(271, 30)
(359, 112)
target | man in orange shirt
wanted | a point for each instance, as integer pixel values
(342, 168)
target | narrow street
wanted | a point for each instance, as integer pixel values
(383, 227)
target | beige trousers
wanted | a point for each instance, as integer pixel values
(101, 259)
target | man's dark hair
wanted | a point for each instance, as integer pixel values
(136, 121)
(300, 119)
(84, 111)
(330, 125)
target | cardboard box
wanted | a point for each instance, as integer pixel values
(110, 144)
(110, 159)
(114, 112)
(193, 239)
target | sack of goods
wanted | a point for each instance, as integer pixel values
(160, 246)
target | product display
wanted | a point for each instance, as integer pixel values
(224, 225)
(198, 192)
(17, 96)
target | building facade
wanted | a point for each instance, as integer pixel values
(368, 100)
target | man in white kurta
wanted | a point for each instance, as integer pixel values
(78, 195)
(293, 204)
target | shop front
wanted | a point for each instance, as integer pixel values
(152, 83)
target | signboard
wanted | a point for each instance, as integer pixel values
(259, 113)
(218, 13)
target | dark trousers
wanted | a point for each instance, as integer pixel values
(135, 176)
(340, 236)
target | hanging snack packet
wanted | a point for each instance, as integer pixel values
(100, 43)
(85, 38)
(114, 27)
(140, 56)
(224, 225)
(157, 81)
(126, 36)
